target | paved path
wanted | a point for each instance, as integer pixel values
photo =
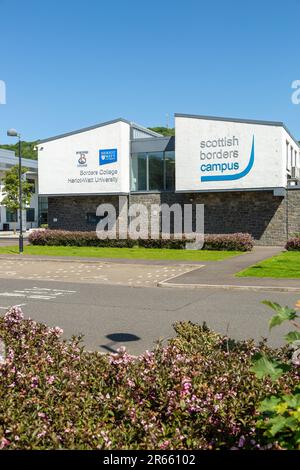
(222, 274)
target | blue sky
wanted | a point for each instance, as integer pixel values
(72, 63)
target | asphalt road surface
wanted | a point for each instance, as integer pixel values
(113, 315)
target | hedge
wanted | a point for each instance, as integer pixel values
(235, 241)
(229, 242)
(293, 244)
(197, 392)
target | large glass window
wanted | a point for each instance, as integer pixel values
(169, 170)
(139, 172)
(43, 210)
(156, 171)
(153, 171)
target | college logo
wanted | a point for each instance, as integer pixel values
(81, 158)
(108, 156)
(228, 157)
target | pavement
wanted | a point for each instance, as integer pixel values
(222, 274)
(99, 271)
(116, 303)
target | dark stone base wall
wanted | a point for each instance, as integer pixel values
(266, 217)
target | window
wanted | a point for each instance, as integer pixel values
(43, 210)
(287, 156)
(32, 182)
(169, 170)
(153, 171)
(156, 171)
(30, 215)
(139, 172)
(92, 218)
(11, 216)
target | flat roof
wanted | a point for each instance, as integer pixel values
(242, 121)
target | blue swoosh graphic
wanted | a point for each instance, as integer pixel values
(237, 176)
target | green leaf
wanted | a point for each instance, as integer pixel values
(282, 313)
(277, 424)
(292, 336)
(269, 404)
(262, 367)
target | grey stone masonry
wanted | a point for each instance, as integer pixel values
(269, 219)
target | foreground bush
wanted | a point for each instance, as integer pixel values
(198, 392)
(230, 242)
(293, 244)
(280, 414)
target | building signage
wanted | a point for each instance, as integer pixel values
(91, 162)
(220, 154)
(223, 157)
(82, 158)
(108, 156)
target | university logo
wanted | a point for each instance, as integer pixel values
(81, 158)
(108, 156)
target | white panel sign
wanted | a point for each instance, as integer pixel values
(228, 155)
(95, 161)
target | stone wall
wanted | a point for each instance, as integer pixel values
(260, 213)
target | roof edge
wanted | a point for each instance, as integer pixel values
(242, 121)
(84, 129)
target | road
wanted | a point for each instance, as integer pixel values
(113, 315)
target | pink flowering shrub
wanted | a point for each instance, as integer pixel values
(232, 241)
(198, 392)
(293, 244)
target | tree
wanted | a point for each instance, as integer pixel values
(166, 131)
(29, 149)
(11, 189)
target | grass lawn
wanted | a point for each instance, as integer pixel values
(134, 253)
(287, 265)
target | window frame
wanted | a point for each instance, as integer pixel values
(164, 166)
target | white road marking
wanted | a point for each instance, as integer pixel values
(38, 293)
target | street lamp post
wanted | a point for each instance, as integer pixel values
(14, 133)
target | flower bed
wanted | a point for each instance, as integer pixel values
(198, 392)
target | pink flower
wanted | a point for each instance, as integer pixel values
(4, 442)
(164, 445)
(50, 379)
(34, 382)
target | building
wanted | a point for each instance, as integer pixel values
(33, 215)
(245, 172)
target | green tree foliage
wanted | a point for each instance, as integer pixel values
(279, 417)
(167, 131)
(28, 149)
(11, 189)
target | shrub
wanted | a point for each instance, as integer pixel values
(235, 241)
(280, 414)
(293, 244)
(229, 242)
(198, 392)
(67, 238)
